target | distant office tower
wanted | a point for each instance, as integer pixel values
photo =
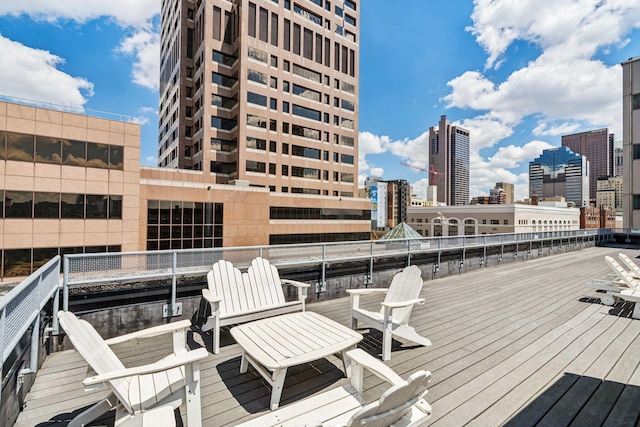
(262, 91)
(597, 147)
(618, 168)
(398, 200)
(502, 193)
(609, 193)
(631, 141)
(450, 157)
(559, 172)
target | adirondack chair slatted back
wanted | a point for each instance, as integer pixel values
(97, 353)
(394, 404)
(623, 273)
(226, 282)
(406, 285)
(629, 263)
(265, 282)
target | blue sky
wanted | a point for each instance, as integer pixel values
(517, 74)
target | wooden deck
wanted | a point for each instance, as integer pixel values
(522, 344)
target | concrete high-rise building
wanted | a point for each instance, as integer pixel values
(559, 172)
(631, 141)
(597, 147)
(264, 92)
(449, 155)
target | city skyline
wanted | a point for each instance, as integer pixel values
(494, 69)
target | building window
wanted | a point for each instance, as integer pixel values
(183, 225)
(636, 201)
(636, 151)
(636, 101)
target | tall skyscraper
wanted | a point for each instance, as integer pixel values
(262, 93)
(449, 155)
(631, 141)
(597, 147)
(559, 172)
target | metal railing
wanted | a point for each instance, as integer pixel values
(94, 269)
(20, 310)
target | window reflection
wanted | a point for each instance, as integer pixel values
(3, 137)
(18, 204)
(17, 262)
(19, 147)
(74, 153)
(96, 206)
(72, 206)
(46, 205)
(116, 157)
(97, 155)
(115, 207)
(48, 150)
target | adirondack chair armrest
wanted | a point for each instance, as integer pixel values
(172, 361)
(182, 325)
(361, 360)
(366, 291)
(301, 286)
(401, 304)
(212, 299)
(295, 283)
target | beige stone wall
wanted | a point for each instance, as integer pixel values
(30, 176)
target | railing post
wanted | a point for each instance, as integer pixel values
(371, 260)
(408, 252)
(324, 267)
(65, 285)
(33, 353)
(174, 282)
(3, 316)
(55, 325)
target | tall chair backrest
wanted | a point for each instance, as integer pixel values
(626, 277)
(265, 282)
(406, 285)
(394, 404)
(96, 352)
(635, 269)
(228, 283)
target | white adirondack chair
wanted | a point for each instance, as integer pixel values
(237, 297)
(393, 317)
(403, 404)
(141, 395)
(634, 269)
(621, 281)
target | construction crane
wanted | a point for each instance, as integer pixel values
(432, 173)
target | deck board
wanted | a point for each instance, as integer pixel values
(525, 343)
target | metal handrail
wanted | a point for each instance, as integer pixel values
(88, 269)
(20, 310)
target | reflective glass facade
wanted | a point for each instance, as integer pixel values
(559, 172)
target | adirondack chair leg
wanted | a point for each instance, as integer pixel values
(607, 299)
(354, 323)
(94, 412)
(194, 410)
(215, 336)
(409, 333)
(244, 363)
(346, 363)
(278, 384)
(386, 341)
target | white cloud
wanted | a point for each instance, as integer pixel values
(561, 129)
(125, 12)
(33, 74)
(148, 110)
(485, 130)
(140, 120)
(566, 28)
(145, 47)
(512, 156)
(151, 160)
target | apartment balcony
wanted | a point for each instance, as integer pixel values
(518, 343)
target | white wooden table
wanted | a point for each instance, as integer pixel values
(274, 344)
